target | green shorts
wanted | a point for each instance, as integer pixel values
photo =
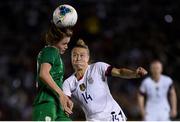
(49, 111)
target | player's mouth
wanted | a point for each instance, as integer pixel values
(62, 51)
(78, 63)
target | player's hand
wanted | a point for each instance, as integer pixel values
(141, 72)
(64, 100)
(173, 113)
(70, 104)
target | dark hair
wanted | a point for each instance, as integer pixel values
(156, 61)
(55, 34)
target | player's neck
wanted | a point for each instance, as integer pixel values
(156, 78)
(80, 73)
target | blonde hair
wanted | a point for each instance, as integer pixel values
(81, 44)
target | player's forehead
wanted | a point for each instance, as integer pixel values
(79, 50)
(156, 64)
(64, 40)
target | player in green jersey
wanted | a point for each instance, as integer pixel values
(51, 103)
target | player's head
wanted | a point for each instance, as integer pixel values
(80, 55)
(156, 68)
(58, 37)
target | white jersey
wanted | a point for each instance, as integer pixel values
(93, 94)
(157, 105)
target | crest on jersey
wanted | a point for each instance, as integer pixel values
(82, 87)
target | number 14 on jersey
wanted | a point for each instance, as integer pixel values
(86, 97)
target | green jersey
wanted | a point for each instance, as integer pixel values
(52, 56)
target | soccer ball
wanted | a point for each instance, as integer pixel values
(65, 16)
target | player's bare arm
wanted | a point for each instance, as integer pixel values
(173, 102)
(127, 73)
(141, 101)
(46, 77)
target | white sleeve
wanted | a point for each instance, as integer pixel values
(66, 88)
(171, 81)
(102, 67)
(143, 87)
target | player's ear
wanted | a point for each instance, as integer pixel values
(88, 59)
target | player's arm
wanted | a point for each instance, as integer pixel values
(127, 73)
(46, 77)
(141, 102)
(173, 102)
(67, 91)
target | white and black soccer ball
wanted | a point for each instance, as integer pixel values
(65, 16)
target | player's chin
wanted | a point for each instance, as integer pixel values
(62, 52)
(78, 66)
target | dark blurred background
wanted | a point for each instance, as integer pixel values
(123, 33)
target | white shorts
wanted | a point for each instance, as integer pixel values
(157, 116)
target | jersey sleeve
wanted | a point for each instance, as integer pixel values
(142, 88)
(170, 83)
(104, 68)
(66, 88)
(48, 55)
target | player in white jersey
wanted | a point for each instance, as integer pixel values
(157, 89)
(89, 87)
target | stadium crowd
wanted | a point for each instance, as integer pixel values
(123, 33)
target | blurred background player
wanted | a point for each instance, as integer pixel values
(88, 85)
(157, 89)
(50, 102)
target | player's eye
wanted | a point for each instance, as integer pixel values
(74, 55)
(65, 44)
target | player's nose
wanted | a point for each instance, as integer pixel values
(78, 57)
(66, 47)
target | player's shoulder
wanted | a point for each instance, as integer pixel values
(146, 80)
(98, 64)
(70, 79)
(49, 49)
(166, 78)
